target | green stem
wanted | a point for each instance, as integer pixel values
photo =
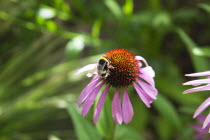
(113, 132)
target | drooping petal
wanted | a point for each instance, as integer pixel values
(197, 82)
(202, 107)
(86, 68)
(89, 101)
(207, 122)
(148, 71)
(127, 108)
(148, 79)
(140, 64)
(141, 95)
(205, 73)
(147, 96)
(88, 89)
(149, 90)
(141, 59)
(100, 104)
(116, 108)
(196, 89)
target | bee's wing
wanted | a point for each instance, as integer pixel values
(86, 68)
(94, 71)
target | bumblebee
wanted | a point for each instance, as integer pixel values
(103, 67)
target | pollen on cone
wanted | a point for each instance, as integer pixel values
(125, 68)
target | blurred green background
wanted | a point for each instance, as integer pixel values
(44, 42)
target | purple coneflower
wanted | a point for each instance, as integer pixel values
(205, 87)
(201, 132)
(118, 69)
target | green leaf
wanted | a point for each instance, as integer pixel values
(164, 128)
(200, 63)
(167, 110)
(46, 12)
(205, 51)
(128, 7)
(51, 26)
(205, 7)
(161, 19)
(174, 91)
(75, 46)
(96, 28)
(53, 137)
(123, 132)
(154, 4)
(84, 129)
(114, 8)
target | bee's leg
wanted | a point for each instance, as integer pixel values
(107, 73)
(110, 67)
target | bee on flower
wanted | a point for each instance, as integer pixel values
(118, 69)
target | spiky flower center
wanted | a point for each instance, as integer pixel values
(125, 68)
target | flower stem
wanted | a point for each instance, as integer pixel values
(113, 133)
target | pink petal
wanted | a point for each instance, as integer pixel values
(196, 89)
(197, 82)
(147, 97)
(89, 101)
(199, 136)
(100, 104)
(148, 71)
(198, 128)
(202, 107)
(205, 73)
(207, 121)
(140, 64)
(86, 68)
(149, 90)
(141, 59)
(200, 118)
(148, 79)
(141, 95)
(88, 89)
(116, 108)
(127, 108)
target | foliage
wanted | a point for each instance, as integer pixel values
(44, 42)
